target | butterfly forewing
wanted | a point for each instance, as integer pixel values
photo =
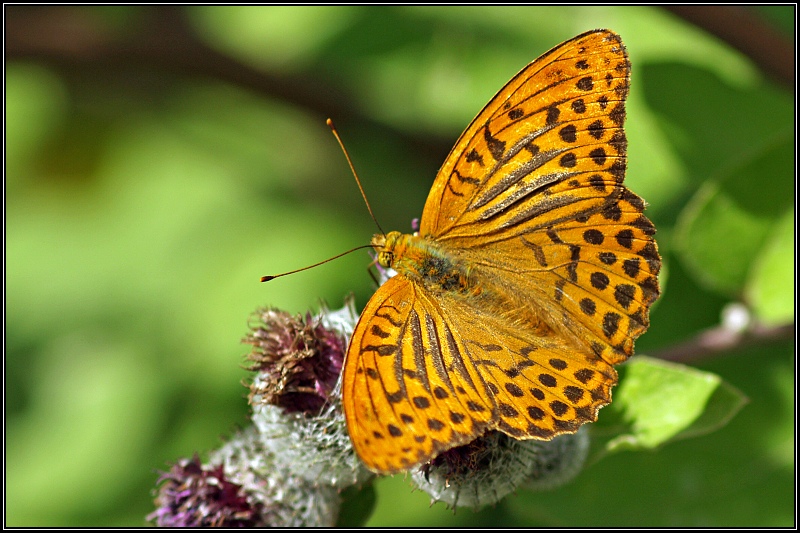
(408, 392)
(526, 138)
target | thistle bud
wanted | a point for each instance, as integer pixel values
(489, 468)
(295, 397)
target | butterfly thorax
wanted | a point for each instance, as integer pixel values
(423, 261)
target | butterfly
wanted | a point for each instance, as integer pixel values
(531, 275)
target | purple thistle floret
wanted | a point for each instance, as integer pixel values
(297, 360)
(191, 495)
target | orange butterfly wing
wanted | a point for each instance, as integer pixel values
(561, 268)
(405, 403)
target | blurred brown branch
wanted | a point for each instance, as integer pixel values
(721, 339)
(76, 40)
(745, 30)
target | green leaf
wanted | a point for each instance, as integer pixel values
(770, 288)
(725, 402)
(727, 223)
(658, 402)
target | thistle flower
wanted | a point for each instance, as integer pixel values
(196, 495)
(489, 468)
(556, 462)
(296, 399)
(297, 360)
(242, 486)
(283, 498)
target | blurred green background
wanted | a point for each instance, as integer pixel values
(160, 160)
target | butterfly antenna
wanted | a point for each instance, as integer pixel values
(353, 169)
(270, 278)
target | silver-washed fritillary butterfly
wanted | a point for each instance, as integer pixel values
(531, 275)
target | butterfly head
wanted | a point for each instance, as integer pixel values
(385, 247)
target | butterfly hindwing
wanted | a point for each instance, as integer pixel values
(538, 384)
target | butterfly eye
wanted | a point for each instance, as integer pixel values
(385, 259)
